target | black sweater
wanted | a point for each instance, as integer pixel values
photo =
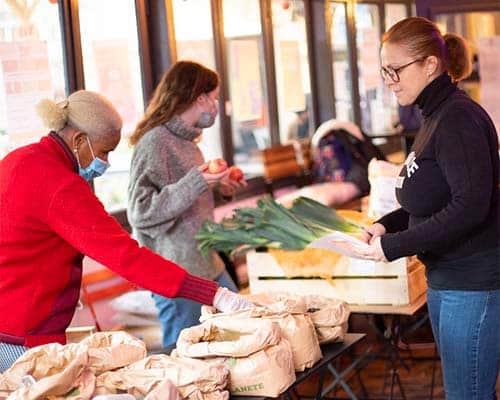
(448, 191)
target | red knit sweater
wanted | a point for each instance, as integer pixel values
(49, 218)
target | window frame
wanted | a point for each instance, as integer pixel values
(156, 37)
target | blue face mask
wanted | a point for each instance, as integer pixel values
(207, 118)
(96, 168)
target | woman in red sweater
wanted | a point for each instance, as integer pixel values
(51, 219)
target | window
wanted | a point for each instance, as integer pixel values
(482, 31)
(246, 77)
(341, 63)
(394, 13)
(292, 69)
(194, 41)
(31, 68)
(112, 67)
(378, 110)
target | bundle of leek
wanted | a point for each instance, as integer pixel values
(272, 225)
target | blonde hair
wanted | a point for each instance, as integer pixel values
(84, 110)
(422, 38)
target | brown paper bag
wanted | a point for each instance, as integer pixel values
(259, 359)
(330, 317)
(279, 302)
(297, 328)
(70, 377)
(194, 379)
(111, 350)
(165, 390)
(63, 386)
(330, 334)
(70, 370)
(268, 372)
(227, 337)
(55, 368)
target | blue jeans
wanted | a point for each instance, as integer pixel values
(466, 327)
(177, 314)
(9, 353)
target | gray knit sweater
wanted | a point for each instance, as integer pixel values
(168, 197)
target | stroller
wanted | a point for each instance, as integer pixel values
(339, 172)
(341, 153)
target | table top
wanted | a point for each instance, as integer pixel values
(407, 309)
(330, 352)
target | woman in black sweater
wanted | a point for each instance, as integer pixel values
(449, 215)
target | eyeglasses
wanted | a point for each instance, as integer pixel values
(393, 73)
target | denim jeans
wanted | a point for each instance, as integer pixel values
(9, 353)
(177, 314)
(466, 327)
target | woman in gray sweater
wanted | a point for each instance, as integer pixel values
(169, 191)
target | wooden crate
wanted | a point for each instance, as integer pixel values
(75, 334)
(315, 271)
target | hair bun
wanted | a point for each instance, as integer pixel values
(53, 115)
(459, 56)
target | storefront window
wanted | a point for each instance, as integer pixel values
(341, 63)
(247, 85)
(394, 13)
(482, 32)
(112, 67)
(31, 68)
(378, 111)
(194, 41)
(292, 69)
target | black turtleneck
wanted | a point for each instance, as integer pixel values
(448, 191)
(434, 94)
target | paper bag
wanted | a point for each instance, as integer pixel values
(383, 177)
(70, 370)
(194, 379)
(296, 328)
(268, 372)
(227, 337)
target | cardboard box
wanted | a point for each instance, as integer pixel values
(75, 334)
(316, 271)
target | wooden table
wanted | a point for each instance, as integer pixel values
(391, 333)
(407, 309)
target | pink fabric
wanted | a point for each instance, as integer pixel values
(226, 210)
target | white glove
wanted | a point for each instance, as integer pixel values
(227, 301)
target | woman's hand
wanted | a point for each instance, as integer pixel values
(227, 301)
(211, 179)
(371, 235)
(229, 186)
(374, 251)
(372, 232)
(226, 186)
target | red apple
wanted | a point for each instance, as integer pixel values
(235, 173)
(216, 166)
